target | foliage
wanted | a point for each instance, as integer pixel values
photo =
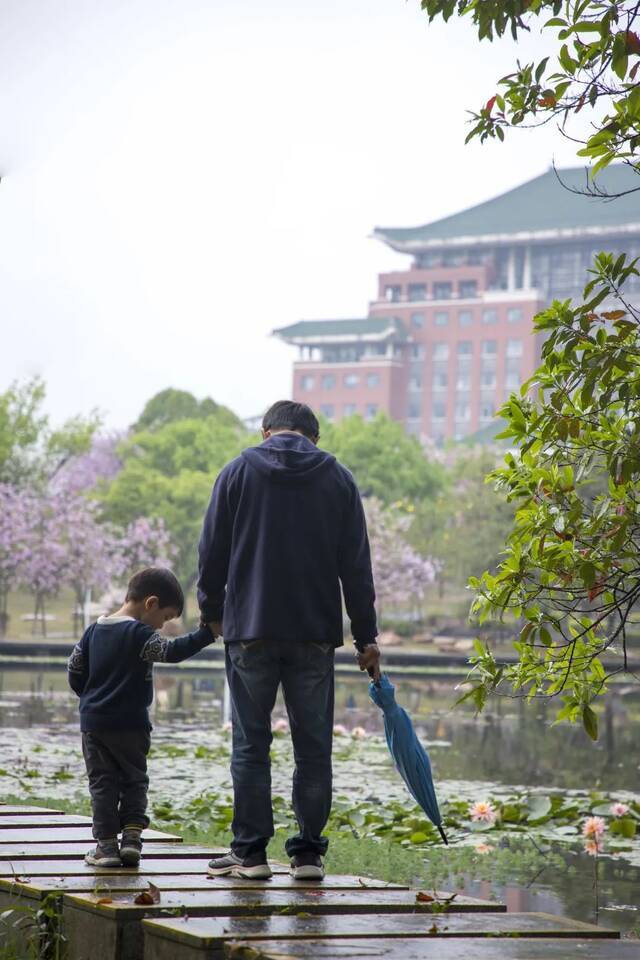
(465, 526)
(168, 473)
(570, 576)
(170, 406)
(385, 462)
(30, 450)
(401, 574)
(592, 66)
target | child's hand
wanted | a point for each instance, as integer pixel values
(216, 628)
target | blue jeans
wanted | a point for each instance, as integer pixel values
(255, 670)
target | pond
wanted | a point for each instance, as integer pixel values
(511, 750)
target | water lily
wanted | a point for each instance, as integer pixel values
(619, 809)
(483, 811)
(280, 726)
(483, 848)
(226, 727)
(593, 847)
(359, 733)
(340, 730)
(593, 827)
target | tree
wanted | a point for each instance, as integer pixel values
(30, 450)
(570, 578)
(14, 528)
(169, 473)
(592, 66)
(465, 526)
(571, 570)
(385, 462)
(401, 574)
(171, 405)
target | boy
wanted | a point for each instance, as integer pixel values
(111, 670)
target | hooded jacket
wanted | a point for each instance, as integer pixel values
(284, 528)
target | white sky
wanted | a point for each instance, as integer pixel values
(182, 176)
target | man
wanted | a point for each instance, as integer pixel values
(284, 528)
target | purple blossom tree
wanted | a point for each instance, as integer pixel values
(145, 542)
(88, 471)
(14, 529)
(401, 574)
(45, 566)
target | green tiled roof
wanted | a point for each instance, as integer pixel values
(538, 205)
(340, 328)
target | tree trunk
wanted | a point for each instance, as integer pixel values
(4, 615)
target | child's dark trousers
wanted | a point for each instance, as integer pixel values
(116, 762)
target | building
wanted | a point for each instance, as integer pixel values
(448, 339)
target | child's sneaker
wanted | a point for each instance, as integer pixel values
(252, 867)
(105, 854)
(130, 849)
(307, 866)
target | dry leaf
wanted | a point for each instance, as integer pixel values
(104, 900)
(149, 896)
(433, 930)
(424, 897)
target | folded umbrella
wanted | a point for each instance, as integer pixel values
(410, 757)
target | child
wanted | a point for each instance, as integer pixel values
(111, 670)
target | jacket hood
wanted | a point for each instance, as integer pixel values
(288, 458)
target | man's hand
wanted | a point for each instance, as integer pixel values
(215, 627)
(369, 660)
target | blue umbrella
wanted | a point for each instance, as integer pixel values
(409, 756)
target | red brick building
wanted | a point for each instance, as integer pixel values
(447, 340)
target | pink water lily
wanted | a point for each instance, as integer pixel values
(483, 811)
(359, 733)
(483, 848)
(593, 847)
(593, 827)
(619, 809)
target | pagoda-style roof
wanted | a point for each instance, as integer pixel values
(343, 331)
(537, 210)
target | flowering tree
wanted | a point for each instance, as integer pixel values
(44, 567)
(88, 471)
(14, 526)
(144, 542)
(400, 573)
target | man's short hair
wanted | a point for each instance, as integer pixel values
(287, 415)
(156, 582)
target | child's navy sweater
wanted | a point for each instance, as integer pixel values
(111, 670)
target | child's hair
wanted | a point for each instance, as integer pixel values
(156, 582)
(287, 415)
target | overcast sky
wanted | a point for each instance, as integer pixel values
(182, 176)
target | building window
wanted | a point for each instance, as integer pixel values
(487, 408)
(349, 409)
(465, 318)
(373, 379)
(413, 411)
(489, 348)
(487, 378)
(393, 293)
(370, 411)
(417, 320)
(489, 316)
(441, 318)
(441, 351)
(514, 348)
(513, 379)
(439, 410)
(463, 411)
(307, 383)
(463, 380)
(327, 410)
(468, 288)
(442, 291)
(439, 381)
(464, 348)
(328, 381)
(415, 381)
(514, 314)
(351, 380)
(375, 350)
(417, 291)
(417, 351)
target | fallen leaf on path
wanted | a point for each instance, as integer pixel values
(149, 896)
(424, 897)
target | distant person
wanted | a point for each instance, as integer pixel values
(285, 527)
(111, 670)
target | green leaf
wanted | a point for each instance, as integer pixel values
(538, 807)
(590, 721)
(418, 837)
(624, 827)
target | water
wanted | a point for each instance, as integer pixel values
(511, 746)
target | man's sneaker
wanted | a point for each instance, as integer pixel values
(130, 849)
(106, 854)
(307, 866)
(252, 867)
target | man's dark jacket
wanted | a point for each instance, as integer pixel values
(285, 526)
